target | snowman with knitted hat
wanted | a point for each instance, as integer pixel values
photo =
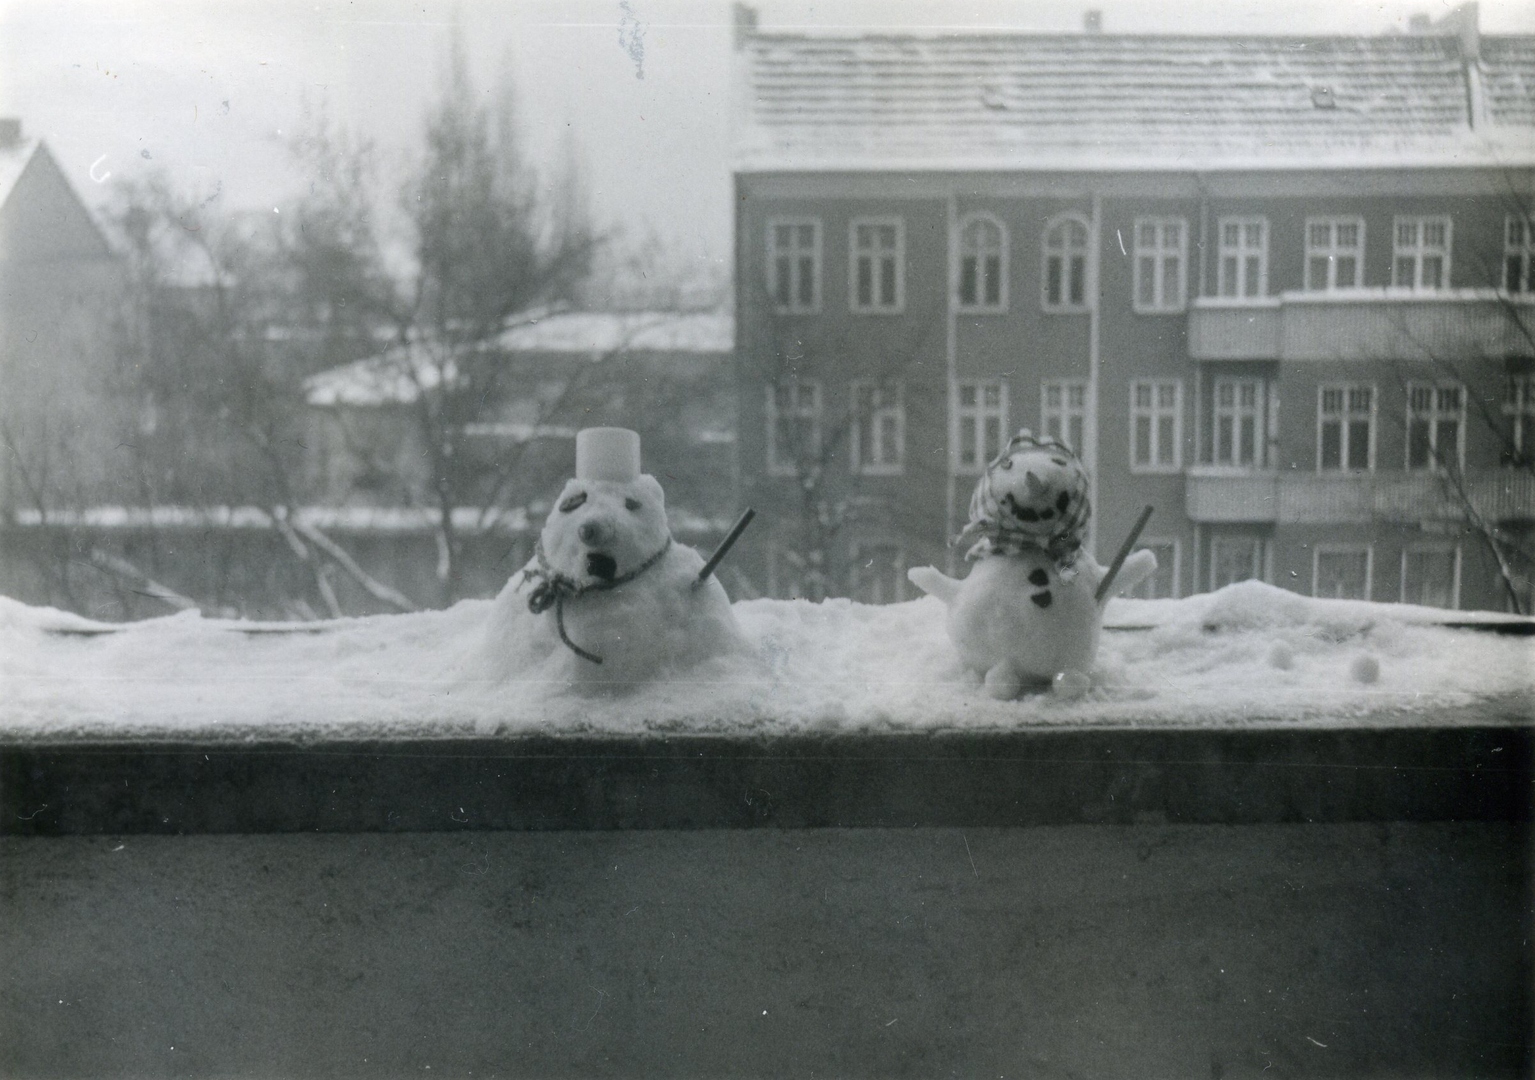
(610, 599)
(1031, 608)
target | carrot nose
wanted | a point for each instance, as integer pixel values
(591, 532)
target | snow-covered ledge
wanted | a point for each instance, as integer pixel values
(1247, 704)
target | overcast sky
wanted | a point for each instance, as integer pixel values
(209, 91)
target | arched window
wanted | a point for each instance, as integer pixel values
(1065, 265)
(982, 284)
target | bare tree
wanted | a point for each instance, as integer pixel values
(479, 247)
(1497, 398)
(814, 446)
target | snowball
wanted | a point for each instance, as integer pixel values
(1070, 685)
(1365, 669)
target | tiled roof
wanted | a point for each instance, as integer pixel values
(1010, 101)
(13, 162)
(1508, 79)
(397, 375)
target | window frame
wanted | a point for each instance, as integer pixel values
(1436, 549)
(1259, 556)
(1434, 417)
(1066, 252)
(1344, 436)
(979, 412)
(1241, 253)
(1158, 253)
(775, 465)
(795, 307)
(1319, 550)
(858, 466)
(1066, 412)
(1523, 250)
(1519, 407)
(1260, 436)
(1155, 412)
(1332, 253)
(980, 306)
(1418, 251)
(899, 265)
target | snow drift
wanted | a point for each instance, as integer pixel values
(1250, 654)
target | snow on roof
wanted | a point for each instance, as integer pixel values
(14, 159)
(399, 375)
(1250, 655)
(1103, 101)
(338, 519)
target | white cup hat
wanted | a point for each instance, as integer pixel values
(608, 453)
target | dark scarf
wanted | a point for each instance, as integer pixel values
(554, 588)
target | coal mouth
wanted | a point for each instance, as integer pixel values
(601, 566)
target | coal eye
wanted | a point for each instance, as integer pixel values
(1007, 463)
(573, 502)
(631, 504)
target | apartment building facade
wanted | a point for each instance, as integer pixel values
(1278, 288)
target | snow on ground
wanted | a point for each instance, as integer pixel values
(1249, 654)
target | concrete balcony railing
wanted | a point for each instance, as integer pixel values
(1362, 324)
(1215, 495)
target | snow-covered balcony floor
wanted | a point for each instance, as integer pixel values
(1251, 704)
(1249, 656)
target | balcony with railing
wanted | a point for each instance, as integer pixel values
(1363, 324)
(1216, 495)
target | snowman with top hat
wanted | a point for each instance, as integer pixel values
(614, 600)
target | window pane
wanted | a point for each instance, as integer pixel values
(1250, 278)
(967, 441)
(1167, 395)
(1348, 272)
(1172, 281)
(1348, 235)
(1447, 441)
(887, 282)
(1332, 445)
(993, 280)
(1165, 442)
(1078, 280)
(865, 282)
(807, 236)
(1146, 286)
(1359, 444)
(1428, 577)
(1143, 440)
(806, 282)
(1433, 272)
(967, 281)
(781, 288)
(1053, 280)
(1419, 453)
(1316, 272)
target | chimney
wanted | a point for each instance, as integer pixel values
(1463, 24)
(1092, 21)
(745, 24)
(10, 131)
